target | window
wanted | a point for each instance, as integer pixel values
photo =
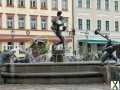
(0, 21)
(9, 46)
(65, 21)
(81, 46)
(43, 4)
(99, 24)
(80, 24)
(79, 3)
(98, 4)
(10, 21)
(88, 24)
(10, 3)
(33, 20)
(107, 25)
(43, 22)
(54, 4)
(21, 46)
(116, 26)
(33, 3)
(87, 3)
(65, 5)
(116, 5)
(21, 3)
(106, 4)
(21, 22)
(0, 2)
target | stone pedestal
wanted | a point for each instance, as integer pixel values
(57, 54)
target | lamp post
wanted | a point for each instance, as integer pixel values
(86, 44)
(12, 36)
(73, 28)
(27, 32)
(73, 36)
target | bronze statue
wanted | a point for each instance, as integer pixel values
(5, 56)
(58, 25)
(108, 49)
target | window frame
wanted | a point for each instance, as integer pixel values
(12, 21)
(10, 45)
(80, 24)
(107, 6)
(116, 5)
(65, 5)
(19, 25)
(19, 4)
(99, 24)
(55, 3)
(88, 4)
(0, 21)
(44, 4)
(32, 4)
(116, 26)
(33, 17)
(88, 24)
(46, 22)
(98, 4)
(0, 2)
(79, 3)
(10, 3)
(107, 25)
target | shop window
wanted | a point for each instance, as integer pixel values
(9, 45)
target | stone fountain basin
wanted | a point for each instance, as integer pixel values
(52, 73)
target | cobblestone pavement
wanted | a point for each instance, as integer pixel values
(54, 87)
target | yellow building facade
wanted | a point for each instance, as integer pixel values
(23, 20)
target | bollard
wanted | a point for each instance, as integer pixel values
(108, 74)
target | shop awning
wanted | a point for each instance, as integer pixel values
(97, 41)
(22, 38)
(5, 38)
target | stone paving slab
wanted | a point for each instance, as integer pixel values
(54, 87)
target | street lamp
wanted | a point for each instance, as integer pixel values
(86, 44)
(12, 36)
(73, 35)
(27, 32)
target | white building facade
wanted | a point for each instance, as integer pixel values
(90, 15)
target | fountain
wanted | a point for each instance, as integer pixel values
(34, 71)
(7, 57)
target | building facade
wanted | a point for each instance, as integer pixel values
(23, 20)
(90, 15)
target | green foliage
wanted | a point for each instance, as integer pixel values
(41, 47)
(43, 50)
